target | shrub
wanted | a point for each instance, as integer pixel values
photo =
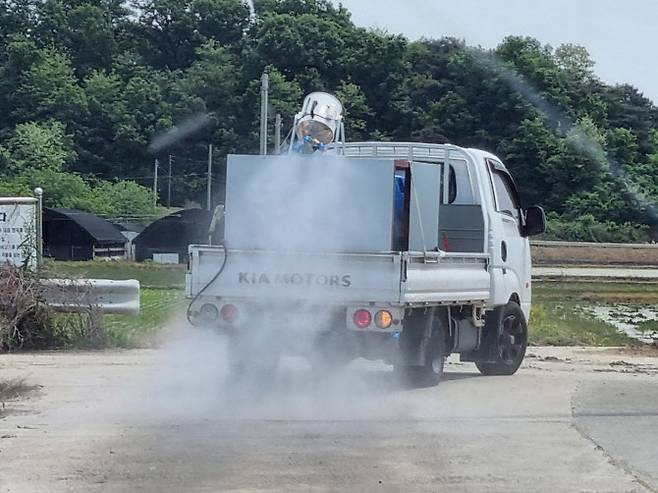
(587, 228)
(27, 322)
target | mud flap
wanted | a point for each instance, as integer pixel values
(415, 337)
(486, 353)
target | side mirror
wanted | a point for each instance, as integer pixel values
(535, 221)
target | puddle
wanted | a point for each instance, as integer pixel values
(637, 321)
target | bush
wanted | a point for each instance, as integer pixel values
(27, 322)
(587, 228)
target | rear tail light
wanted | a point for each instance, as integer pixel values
(229, 313)
(383, 319)
(362, 319)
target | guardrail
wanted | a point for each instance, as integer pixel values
(76, 295)
(588, 244)
(610, 274)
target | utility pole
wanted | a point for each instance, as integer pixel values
(169, 183)
(155, 183)
(277, 134)
(264, 91)
(209, 198)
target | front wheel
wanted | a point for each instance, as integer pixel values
(511, 343)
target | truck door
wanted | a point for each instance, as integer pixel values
(512, 250)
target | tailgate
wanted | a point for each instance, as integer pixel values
(334, 278)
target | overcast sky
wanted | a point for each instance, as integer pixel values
(621, 35)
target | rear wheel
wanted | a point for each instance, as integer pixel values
(251, 362)
(331, 352)
(511, 342)
(431, 373)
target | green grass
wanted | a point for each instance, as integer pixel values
(158, 307)
(148, 274)
(565, 324)
(558, 317)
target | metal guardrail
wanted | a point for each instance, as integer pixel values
(595, 274)
(76, 295)
(586, 244)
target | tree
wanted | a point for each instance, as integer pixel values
(86, 85)
(357, 112)
(84, 29)
(38, 146)
(122, 198)
(173, 30)
(576, 62)
(48, 89)
(16, 18)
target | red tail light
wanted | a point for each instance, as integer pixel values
(362, 318)
(229, 313)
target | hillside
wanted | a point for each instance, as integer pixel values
(87, 84)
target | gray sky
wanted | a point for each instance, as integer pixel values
(621, 36)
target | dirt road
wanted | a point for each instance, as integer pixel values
(165, 421)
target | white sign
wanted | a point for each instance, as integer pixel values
(18, 239)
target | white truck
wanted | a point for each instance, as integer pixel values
(405, 252)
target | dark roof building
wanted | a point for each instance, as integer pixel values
(173, 234)
(76, 235)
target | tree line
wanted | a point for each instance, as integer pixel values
(85, 85)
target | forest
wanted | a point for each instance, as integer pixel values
(85, 86)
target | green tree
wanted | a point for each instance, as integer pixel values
(48, 89)
(357, 112)
(122, 198)
(38, 146)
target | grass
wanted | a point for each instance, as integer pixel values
(148, 274)
(161, 300)
(600, 292)
(158, 306)
(565, 324)
(558, 317)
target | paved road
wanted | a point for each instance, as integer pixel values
(162, 421)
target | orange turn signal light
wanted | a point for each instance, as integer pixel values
(383, 319)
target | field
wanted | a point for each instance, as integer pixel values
(158, 308)
(565, 253)
(562, 314)
(148, 274)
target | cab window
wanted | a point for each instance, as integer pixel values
(506, 202)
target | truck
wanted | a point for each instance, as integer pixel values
(397, 251)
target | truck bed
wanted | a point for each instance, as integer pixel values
(395, 278)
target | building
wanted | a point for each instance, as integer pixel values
(75, 235)
(171, 235)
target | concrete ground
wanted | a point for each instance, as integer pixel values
(572, 419)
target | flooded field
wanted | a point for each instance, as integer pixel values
(594, 313)
(637, 321)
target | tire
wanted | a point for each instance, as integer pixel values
(249, 364)
(511, 343)
(330, 353)
(430, 374)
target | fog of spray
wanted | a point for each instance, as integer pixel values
(303, 213)
(558, 121)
